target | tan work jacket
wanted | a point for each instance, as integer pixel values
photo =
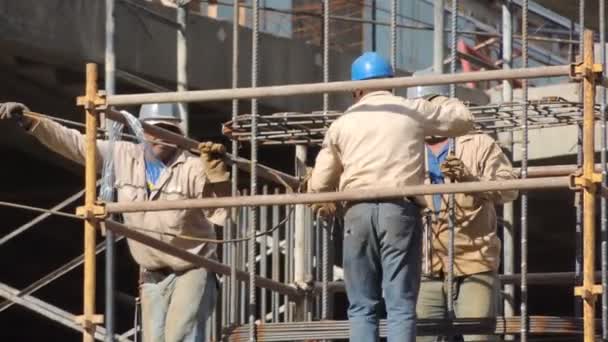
(476, 246)
(183, 179)
(379, 142)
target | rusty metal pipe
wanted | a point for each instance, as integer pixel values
(347, 195)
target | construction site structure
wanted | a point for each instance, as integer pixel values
(278, 263)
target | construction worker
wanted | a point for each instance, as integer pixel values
(379, 143)
(176, 296)
(477, 248)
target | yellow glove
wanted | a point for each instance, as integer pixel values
(454, 168)
(212, 156)
(325, 210)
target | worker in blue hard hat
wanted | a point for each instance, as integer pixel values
(177, 296)
(379, 143)
(369, 66)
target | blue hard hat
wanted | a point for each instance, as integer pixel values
(370, 65)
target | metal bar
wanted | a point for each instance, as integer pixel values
(578, 254)
(90, 224)
(275, 262)
(339, 330)
(243, 164)
(299, 252)
(589, 292)
(540, 278)
(263, 255)
(289, 264)
(234, 308)
(373, 22)
(182, 59)
(326, 45)
(393, 33)
(508, 208)
(225, 308)
(235, 178)
(453, 37)
(524, 174)
(243, 224)
(452, 150)
(604, 142)
(198, 260)
(254, 160)
(347, 195)
(334, 87)
(40, 218)
(110, 87)
(51, 312)
(438, 36)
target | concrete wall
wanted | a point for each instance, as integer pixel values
(70, 33)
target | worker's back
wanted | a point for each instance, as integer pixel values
(379, 142)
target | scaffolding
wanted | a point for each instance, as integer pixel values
(295, 289)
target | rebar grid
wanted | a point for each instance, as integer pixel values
(309, 128)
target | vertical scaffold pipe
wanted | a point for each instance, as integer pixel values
(452, 148)
(110, 86)
(589, 290)
(90, 224)
(604, 218)
(578, 258)
(508, 208)
(234, 307)
(325, 233)
(524, 175)
(254, 161)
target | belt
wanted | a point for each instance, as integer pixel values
(405, 200)
(157, 275)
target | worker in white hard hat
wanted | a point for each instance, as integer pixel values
(177, 297)
(379, 143)
(476, 157)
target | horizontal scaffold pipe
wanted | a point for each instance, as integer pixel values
(198, 260)
(186, 143)
(347, 195)
(335, 87)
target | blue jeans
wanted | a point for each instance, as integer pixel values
(175, 308)
(382, 252)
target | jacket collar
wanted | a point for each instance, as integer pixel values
(375, 93)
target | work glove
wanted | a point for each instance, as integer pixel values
(14, 111)
(454, 169)
(325, 210)
(212, 156)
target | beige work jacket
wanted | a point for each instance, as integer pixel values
(476, 246)
(183, 179)
(379, 142)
